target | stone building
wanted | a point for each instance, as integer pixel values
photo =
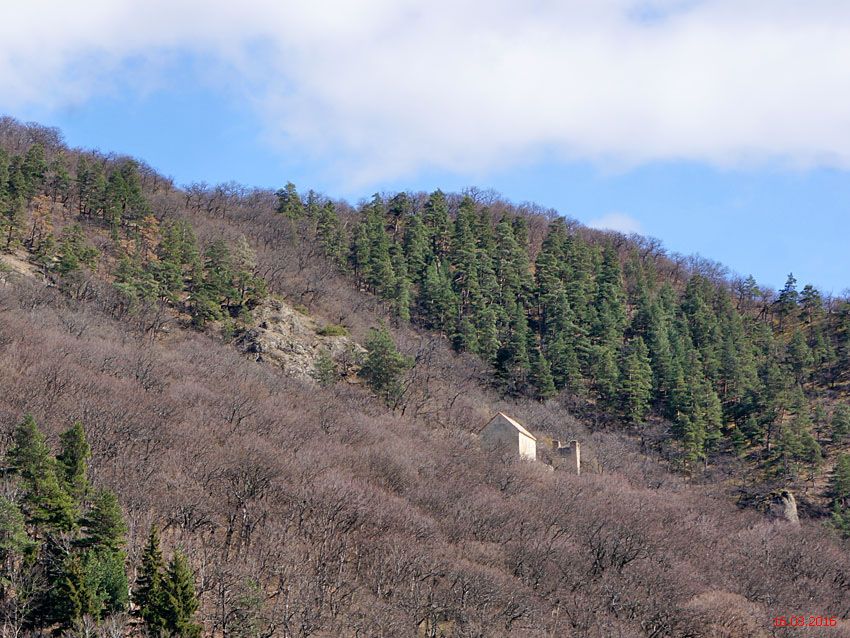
(569, 456)
(504, 432)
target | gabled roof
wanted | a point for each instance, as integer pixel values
(514, 423)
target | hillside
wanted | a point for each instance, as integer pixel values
(310, 505)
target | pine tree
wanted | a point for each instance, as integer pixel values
(840, 484)
(59, 180)
(416, 247)
(379, 274)
(33, 170)
(512, 360)
(605, 372)
(104, 524)
(180, 603)
(14, 542)
(438, 225)
(106, 577)
(437, 303)
(324, 370)
(799, 357)
(73, 597)
(703, 324)
(566, 370)
(795, 444)
(636, 381)
(360, 252)
(73, 462)
(811, 305)
(610, 305)
(44, 502)
(512, 268)
(541, 376)
(330, 234)
(149, 592)
(464, 251)
(385, 366)
(289, 202)
(12, 223)
(840, 424)
(486, 331)
(401, 292)
(786, 302)
(250, 288)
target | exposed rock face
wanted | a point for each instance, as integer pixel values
(783, 506)
(16, 265)
(286, 338)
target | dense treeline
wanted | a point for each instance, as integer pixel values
(63, 562)
(314, 510)
(728, 370)
(150, 261)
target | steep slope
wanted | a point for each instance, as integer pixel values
(320, 511)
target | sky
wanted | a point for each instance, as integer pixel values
(721, 127)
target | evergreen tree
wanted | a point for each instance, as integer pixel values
(840, 424)
(289, 202)
(104, 524)
(416, 247)
(149, 592)
(605, 373)
(59, 181)
(541, 376)
(799, 357)
(464, 252)
(636, 381)
(14, 542)
(324, 370)
(437, 301)
(75, 251)
(811, 305)
(610, 305)
(512, 360)
(73, 462)
(795, 444)
(360, 256)
(106, 576)
(73, 598)
(330, 234)
(566, 370)
(385, 366)
(840, 484)
(12, 222)
(179, 601)
(123, 198)
(486, 331)
(786, 302)
(438, 225)
(44, 502)
(401, 292)
(379, 274)
(33, 170)
(250, 289)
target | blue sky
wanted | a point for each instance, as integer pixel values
(719, 127)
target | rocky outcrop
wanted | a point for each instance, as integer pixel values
(783, 506)
(15, 265)
(287, 338)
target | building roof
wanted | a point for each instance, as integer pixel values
(514, 423)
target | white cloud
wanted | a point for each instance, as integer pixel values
(379, 89)
(617, 221)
